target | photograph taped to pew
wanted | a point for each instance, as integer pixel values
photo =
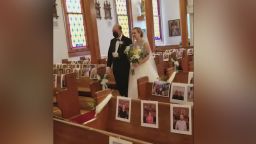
(161, 88)
(190, 52)
(190, 98)
(190, 77)
(123, 109)
(76, 71)
(113, 140)
(149, 113)
(166, 56)
(179, 53)
(63, 81)
(55, 80)
(181, 119)
(68, 70)
(178, 93)
(93, 73)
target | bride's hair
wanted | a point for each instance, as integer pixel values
(139, 30)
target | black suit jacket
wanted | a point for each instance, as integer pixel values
(122, 61)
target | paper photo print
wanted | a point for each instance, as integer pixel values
(123, 109)
(149, 113)
(181, 119)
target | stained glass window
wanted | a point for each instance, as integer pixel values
(157, 20)
(122, 16)
(75, 23)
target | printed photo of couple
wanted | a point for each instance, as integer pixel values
(161, 88)
(178, 93)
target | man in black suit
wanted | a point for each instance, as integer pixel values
(118, 60)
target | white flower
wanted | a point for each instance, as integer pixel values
(136, 56)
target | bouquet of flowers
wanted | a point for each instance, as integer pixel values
(135, 53)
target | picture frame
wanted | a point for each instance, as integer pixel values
(97, 8)
(174, 28)
(114, 140)
(149, 114)
(107, 9)
(181, 119)
(178, 93)
(161, 88)
(123, 109)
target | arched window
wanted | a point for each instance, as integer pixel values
(75, 27)
(157, 20)
(123, 17)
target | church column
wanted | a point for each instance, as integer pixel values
(91, 28)
(150, 23)
(184, 32)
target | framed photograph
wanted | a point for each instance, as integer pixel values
(178, 93)
(149, 113)
(174, 28)
(166, 56)
(113, 140)
(181, 119)
(190, 98)
(161, 88)
(123, 109)
(55, 80)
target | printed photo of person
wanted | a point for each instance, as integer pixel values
(190, 94)
(178, 93)
(123, 109)
(174, 27)
(149, 113)
(181, 120)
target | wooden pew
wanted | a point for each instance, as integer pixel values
(71, 133)
(67, 100)
(106, 121)
(145, 87)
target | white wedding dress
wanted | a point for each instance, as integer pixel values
(148, 68)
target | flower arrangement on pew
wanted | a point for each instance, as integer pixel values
(102, 77)
(135, 54)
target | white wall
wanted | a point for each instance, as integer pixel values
(105, 28)
(170, 10)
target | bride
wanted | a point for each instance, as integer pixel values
(145, 67)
